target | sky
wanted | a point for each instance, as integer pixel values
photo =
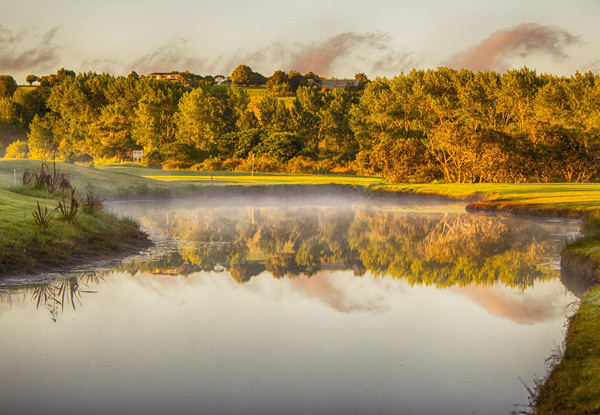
(329, 37)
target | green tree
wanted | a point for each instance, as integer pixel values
(8, 86)
(305, 116)
(279, 84)
(281, 145)
(30, 79)
(274, 116)
(362, 79)
(42, 140)
(204, 115)
(242, 75)
(111, 134)
(154, 123)
(336, 137)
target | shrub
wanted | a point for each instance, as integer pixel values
(263, 164)
(68, 211)
(42, 218)
(211, 164)
(344, 169)
(176, 165)
(17, 150)
(302, 165)
(231, 164)
(92, 203)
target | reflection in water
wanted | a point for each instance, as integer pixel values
(52, 295)
(426, 249)
(294, 310)
(518, 306)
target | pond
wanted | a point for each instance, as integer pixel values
(331, 305)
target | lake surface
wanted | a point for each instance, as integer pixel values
(306, 306)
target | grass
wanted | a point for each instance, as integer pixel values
(26, 246)
(573, 387)
(566, 198)
(111, 184)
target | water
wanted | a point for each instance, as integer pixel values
(326, 306)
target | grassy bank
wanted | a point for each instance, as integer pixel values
(574, 385)
(26, 247)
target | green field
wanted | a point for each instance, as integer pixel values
(242, 178)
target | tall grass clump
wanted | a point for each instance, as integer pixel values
(68, 211)
(42, 218)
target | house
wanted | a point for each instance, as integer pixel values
(170, 76)
(333, 83)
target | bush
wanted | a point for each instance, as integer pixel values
(231, 164)
(263, 164)
(211, 164)
(17, 150)
(176, 165)
(302, 165)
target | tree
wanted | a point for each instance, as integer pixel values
(278, 83)
(42, 140)
(111, 135)
(282, 146)
(154, 122)
(11, 121)
(31, 79)
(242, 75)
(204, 115)
(295, 79)
(362, 79)
(258, 79)
(274, 115)
(305, 116)
(336, 137)
(8, 86)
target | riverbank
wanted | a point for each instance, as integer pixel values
(27, 247)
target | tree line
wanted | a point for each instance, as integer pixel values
(423, 126)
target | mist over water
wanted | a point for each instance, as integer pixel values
(329, 304)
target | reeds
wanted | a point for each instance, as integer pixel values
(92, 203)
(68, 211)
(51, 180)
(42, 218)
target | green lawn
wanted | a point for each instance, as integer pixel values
(566, 198)
(242, 178)
(110, 183)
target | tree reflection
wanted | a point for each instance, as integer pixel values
(441, 249)
(446, 249)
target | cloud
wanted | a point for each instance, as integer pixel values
(16, 54)
(173, 56)
(520, 41)
(371, 50)
(339, 55)
(342, 54)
